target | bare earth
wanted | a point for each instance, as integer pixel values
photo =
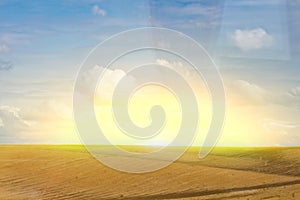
(70, 172)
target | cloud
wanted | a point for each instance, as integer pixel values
(47, 122)
(4, 48)
(189, 14)
(250, 92)
(175, 65)
(5, 65)
(188, 8)
(253, 94)
(292, 97)
(254, 39)
(11, 123)
(98, 11)
(295, 92)
(13, 38)
(281, 126)
(194, 9)
(256, 3)
(11, 115)
(48, 110)
(108, 80)
(283, 132)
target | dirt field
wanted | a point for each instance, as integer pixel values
(70, 172)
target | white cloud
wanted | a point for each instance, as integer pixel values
(4, 48)
(278, 126)
(48, 110)
(191, 8)
(48, 122)
(11, 122)
(5, 65)
(175, 65)
(257, 3)
(9, 114)
(254, 94)
(98, 11)
(210, 14)
(291, 98)
(14, 38)
(250, 92)
(254, 39)
(108, 80)
(295, 92)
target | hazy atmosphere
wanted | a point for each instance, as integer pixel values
(43, 43)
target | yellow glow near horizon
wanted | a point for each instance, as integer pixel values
(242, 125)
(139, 110)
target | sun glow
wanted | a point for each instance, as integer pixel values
(139, 108)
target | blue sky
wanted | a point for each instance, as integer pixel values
(42, 43)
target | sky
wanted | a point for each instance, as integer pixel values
(255, 45)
